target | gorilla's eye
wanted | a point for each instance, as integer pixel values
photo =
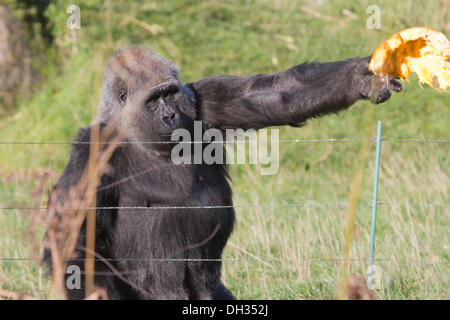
(123, 95)
(153, 98)
(170, 92)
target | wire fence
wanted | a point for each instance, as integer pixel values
(263, 205)
(221, 141)
(431, 261)
(372, 203)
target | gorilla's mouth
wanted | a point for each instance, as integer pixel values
(167, 130)
(167, 127)
(166, 135)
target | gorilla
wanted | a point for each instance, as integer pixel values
(173, 249)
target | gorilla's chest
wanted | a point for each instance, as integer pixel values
(177, 185)
(180, 206)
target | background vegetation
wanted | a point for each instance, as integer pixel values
(274, 252)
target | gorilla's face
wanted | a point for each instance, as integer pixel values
(163, 112)
(143, 94)
(153, 113)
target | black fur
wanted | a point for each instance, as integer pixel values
(136, 240)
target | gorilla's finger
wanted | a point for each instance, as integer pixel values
(383, 95)
(395, 85)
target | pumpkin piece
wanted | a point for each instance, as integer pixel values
(421, 50)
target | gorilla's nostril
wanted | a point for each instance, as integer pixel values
(169, 116)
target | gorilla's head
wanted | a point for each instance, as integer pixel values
(144, 97)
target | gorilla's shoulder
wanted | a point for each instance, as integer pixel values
(80, 149)
(83, 140)
(80, 153)
(83, 136)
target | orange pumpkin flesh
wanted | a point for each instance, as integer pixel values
(421, 50)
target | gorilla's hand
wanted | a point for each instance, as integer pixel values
(373, 87)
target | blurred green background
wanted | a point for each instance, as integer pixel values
(294, 252)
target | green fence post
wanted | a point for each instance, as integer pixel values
(374, 203)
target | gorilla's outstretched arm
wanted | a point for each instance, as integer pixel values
(291, 97)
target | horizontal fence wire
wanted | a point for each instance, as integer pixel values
(268, 205)
(187, 142)
(220, 141)
(258, 259)
(417, 140)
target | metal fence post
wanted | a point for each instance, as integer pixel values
(374, 203)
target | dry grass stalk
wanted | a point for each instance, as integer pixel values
(321, 16)
(67, 217)
(350, 220)
(90, 215)
(57, 264)
(154, 29)
(357, 288)
(11, 295)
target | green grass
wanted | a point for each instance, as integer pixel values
(248, 37)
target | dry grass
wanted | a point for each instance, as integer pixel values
(286, 242)
(295, 252)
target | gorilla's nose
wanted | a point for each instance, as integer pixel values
(169, 115)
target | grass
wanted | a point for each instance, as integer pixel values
(272, 251)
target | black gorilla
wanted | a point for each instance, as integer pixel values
(145, 100)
